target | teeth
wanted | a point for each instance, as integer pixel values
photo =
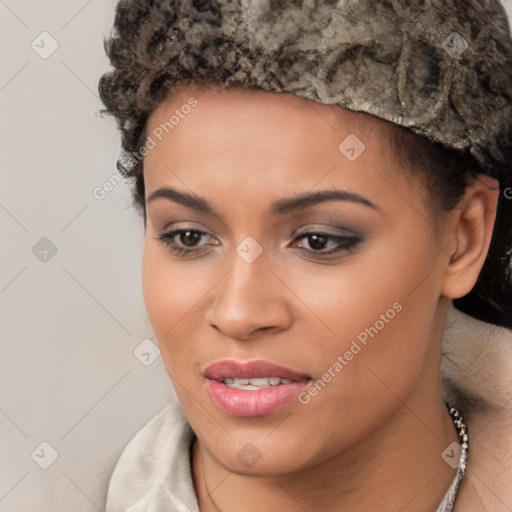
(260, 382)
(256, 383)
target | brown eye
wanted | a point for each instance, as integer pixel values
(189, 238)
(317, 241)
(326, 243)
(184, 241)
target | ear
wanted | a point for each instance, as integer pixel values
(469, 235)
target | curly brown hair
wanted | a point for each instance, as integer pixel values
(157, 45)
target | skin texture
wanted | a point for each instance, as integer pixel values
(375, 433)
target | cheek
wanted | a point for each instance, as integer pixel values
(356, 322)
(159, 294)
(376, 314)
(175, 299)
(167, 295)
(348, 298)
(170, 288)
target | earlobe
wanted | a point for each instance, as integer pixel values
(469, 236)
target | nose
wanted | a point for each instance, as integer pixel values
(249, 301)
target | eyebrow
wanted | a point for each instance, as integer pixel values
(278, 207)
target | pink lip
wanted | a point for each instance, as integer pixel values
(250, 370)
(239, 402)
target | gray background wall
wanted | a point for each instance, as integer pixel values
(70, 321)
(75, 373)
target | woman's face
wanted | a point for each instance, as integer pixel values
(284, 243)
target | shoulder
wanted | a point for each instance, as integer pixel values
(153, 472)
(476, 377)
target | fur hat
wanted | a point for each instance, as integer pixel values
(442, 68)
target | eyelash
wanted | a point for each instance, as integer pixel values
(344, 243)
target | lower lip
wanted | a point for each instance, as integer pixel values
(239, 402)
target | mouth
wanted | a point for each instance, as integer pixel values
(254, 388)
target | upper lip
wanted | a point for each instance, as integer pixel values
(230, 369)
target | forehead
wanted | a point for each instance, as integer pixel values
(218, 126)
(243, 149)
(219, 104)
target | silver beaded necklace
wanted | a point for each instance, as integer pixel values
(462, 430)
